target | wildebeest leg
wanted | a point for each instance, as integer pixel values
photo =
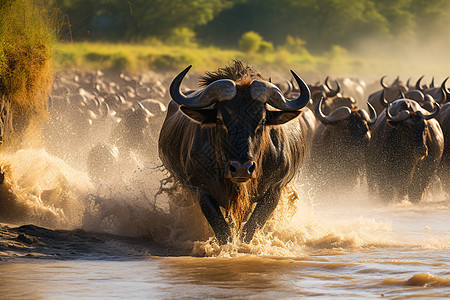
(421, 180)
(215, 217)
(264, 208)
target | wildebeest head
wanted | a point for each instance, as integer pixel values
(408, 117)
(353, 123)
(240, 108)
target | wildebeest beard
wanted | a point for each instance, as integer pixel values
(239, 195)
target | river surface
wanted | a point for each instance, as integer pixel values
(67, 238)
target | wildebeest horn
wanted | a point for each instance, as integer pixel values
(432, 83)
(332, 93)
(423, 113)
(415, 95)
(337, 115)
(402, 115)
(220, 90)
(408, 82)
(383, 100)
(326, 82)
(382, 82)
(402, 95)
(444, 88)
(373, 114)
(267, 92)
(444, 97)
(418, 87)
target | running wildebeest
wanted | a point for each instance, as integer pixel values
(444, 169)
(338, 148)
(228, 145)
(404, 152)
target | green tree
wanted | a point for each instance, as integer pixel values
(137, 19)
(250, 42)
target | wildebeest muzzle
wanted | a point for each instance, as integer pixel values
(240, 172)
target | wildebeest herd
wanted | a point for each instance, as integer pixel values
(239, 139)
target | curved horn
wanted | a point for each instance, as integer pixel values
(440, 100)
(402, 95)
(332, 93)
(373, 114)
(432, 83)
(266, 92)
(337, 115)
(418, 87)
(383, 100)
(402, 115)
(408, 82)
(326, 83)
(220, 90)
(415, 95)
(423, 113)
(382, 82)
(444, 88)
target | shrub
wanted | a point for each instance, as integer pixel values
(181, 37)
(97, 57)
(295, 45)
(266, 47)
(120, 62)
(250, 42)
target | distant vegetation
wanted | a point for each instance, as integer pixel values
(320, 24)
(162, 57)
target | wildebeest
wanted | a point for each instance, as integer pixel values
(444, 169)
(130, 132)
(308, 125)
(339, 147)
(391, 93)
(332, 99)
(226, 145)
(440, 94)
(404, 152)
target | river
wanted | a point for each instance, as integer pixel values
(64, 237)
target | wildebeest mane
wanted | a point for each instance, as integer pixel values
(235, 71)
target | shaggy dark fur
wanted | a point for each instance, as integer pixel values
(235, 71)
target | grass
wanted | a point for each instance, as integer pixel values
(26, 72)
(159, 57)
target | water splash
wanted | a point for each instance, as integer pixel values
(44, 190)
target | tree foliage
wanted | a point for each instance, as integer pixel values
(320, 23)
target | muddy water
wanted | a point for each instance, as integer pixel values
(91, 240)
